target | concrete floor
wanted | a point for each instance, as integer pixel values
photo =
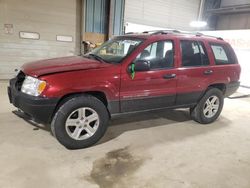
(160, 149)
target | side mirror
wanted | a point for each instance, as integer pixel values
(140, 66)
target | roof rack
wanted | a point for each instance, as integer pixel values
(171, 31)
(129, 33)
(165, 31)
(198, 34)
(155, 32)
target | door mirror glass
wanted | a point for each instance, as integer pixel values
(142, 65)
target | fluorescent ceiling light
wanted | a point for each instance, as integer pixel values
(198, 24)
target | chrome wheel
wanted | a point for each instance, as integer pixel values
(211, 106)
(82, 123)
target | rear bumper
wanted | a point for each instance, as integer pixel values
(231, 88)
(40, 109)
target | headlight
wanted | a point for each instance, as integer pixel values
(33, 86)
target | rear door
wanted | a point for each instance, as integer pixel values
(194, 71)
(226, 67)
(226, 64)
(154, 88)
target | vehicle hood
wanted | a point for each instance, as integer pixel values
(62, 64)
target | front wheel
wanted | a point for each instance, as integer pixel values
(209, 107)
(80, 122)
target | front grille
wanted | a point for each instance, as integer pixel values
(19, 80)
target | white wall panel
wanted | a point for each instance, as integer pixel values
(162, 13)
(49, 18)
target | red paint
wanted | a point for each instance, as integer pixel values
(55, 65)
(77, 74)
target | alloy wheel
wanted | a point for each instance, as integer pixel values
(82, 123)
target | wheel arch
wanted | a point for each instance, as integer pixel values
(97, 94)
(220, 86)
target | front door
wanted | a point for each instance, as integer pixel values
(153, 88)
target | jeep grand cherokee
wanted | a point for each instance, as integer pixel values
(136, 72)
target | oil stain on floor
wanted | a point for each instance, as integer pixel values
(115, 169)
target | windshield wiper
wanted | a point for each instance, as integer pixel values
(98, 58)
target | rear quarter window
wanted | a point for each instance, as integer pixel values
(222, 54)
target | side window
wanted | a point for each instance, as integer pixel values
(220, 54)
(160, 55)
(203, 53)
(119, 48)
(193, 53)
(152, 49)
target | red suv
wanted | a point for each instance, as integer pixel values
(136, 72)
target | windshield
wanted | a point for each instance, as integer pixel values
(115, 50)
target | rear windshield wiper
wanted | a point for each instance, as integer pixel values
(98, 58)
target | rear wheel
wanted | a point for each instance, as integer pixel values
(209, 107)
(80, 122)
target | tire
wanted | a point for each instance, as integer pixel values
(70, 124)
(204, 112)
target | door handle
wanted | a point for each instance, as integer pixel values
(169, 76)
(208, 72)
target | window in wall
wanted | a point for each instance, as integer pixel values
(193, 53)
(160, 54)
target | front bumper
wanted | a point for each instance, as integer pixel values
(41, 109)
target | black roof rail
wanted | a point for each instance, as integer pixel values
(155, 32)
(171, 31)
(129, 33)
(166, 31)
(198, 34)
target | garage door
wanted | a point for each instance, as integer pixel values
(162, 13)
(34, 30)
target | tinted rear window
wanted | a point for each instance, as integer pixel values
(222, 54)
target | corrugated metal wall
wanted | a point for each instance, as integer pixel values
(236, 20)
(208, 17)
(162, 13)
(233, 21)
(48, 18)
(226, 3)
